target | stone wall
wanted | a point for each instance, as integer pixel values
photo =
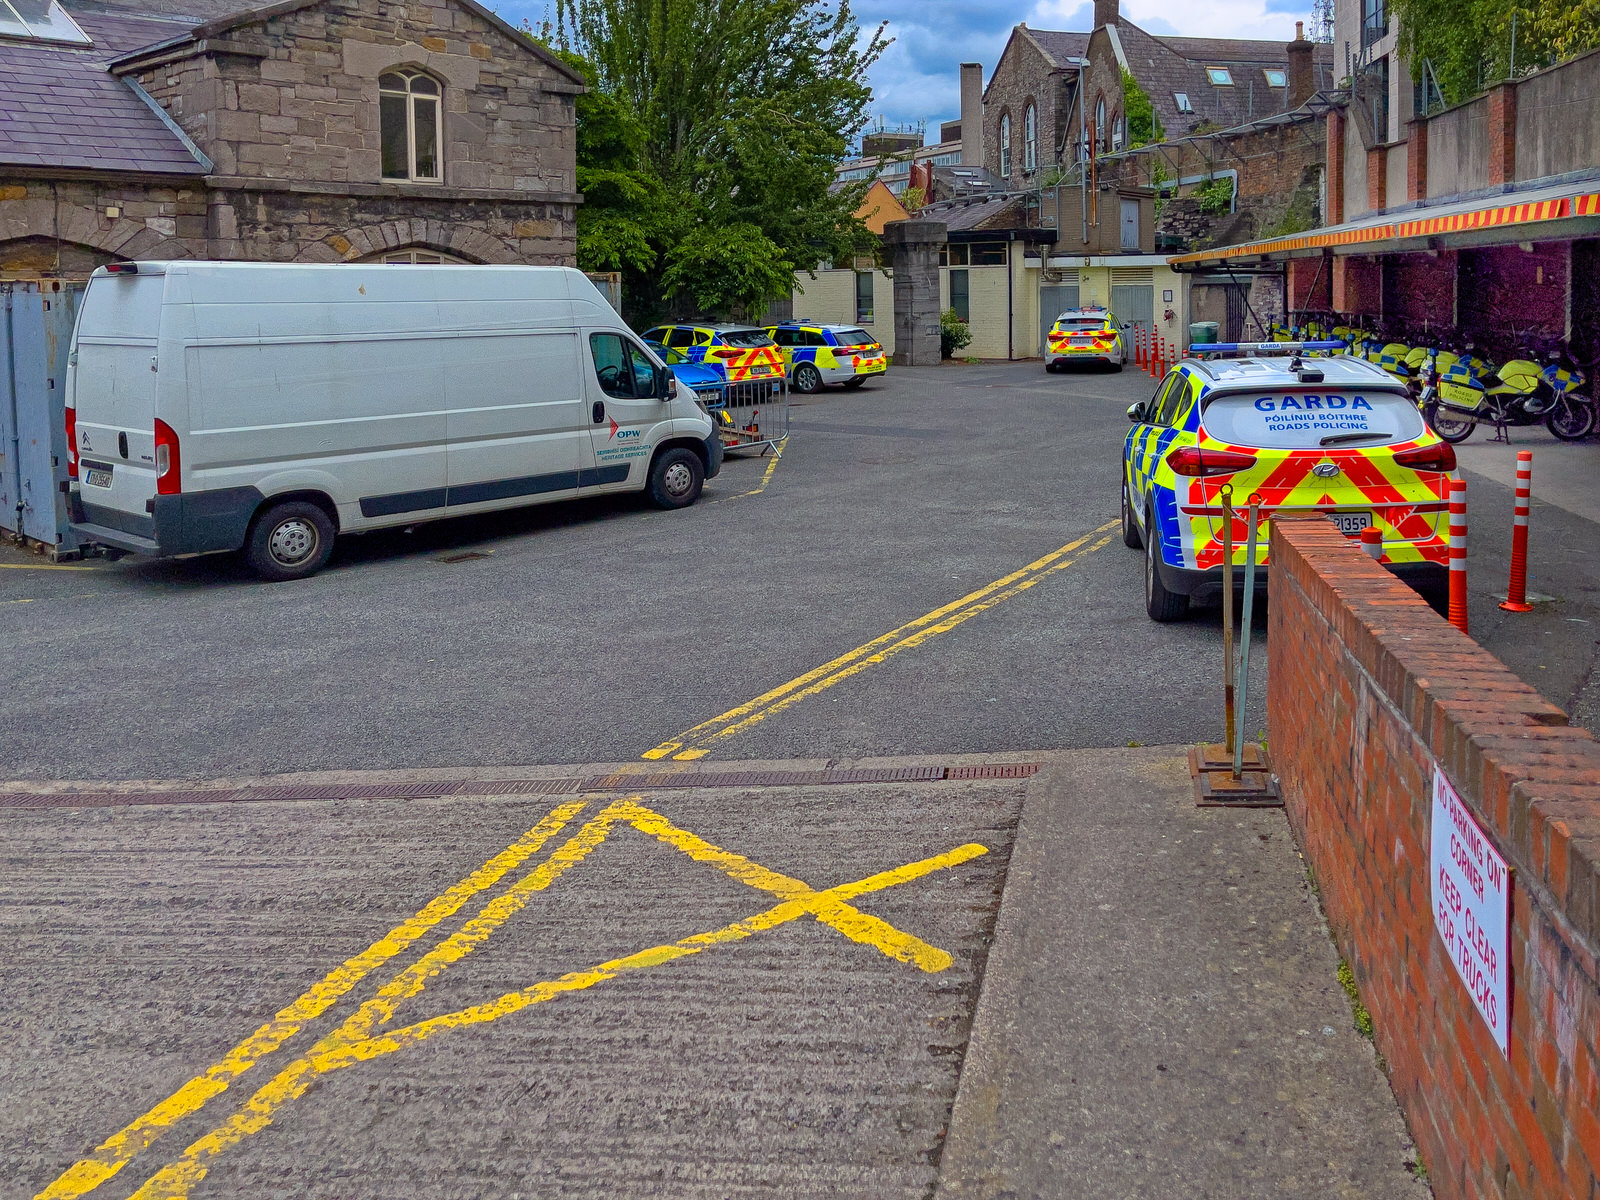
(1023, 74)
(1369, 693)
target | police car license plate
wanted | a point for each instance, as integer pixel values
(1351, 524)
(98, 477)
(763, 370)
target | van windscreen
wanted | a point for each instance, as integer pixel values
(1311, 419)
(746, 339)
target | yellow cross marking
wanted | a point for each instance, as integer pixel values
(359, 1038)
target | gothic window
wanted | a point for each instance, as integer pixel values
(1100, 124)
(1030, 138)
(1005, 145)
(408, 118)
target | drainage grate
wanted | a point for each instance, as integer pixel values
(615, 782)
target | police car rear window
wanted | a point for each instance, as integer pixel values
(1304, 420)
(853, 337)
(1067, 324)
(746, 338)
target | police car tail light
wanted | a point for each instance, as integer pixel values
(72, 443)
(1193, 461)
(726, 352)
(1440, 457)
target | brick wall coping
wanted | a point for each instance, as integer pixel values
(1533, 781)
(406, 191)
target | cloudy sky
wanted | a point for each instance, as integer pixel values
(917, 77)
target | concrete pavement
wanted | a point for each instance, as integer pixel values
(1160, 1014)
(1159, 1011)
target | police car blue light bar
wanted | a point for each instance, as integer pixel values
(1263, 347)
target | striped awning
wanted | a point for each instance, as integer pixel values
(1528, 211)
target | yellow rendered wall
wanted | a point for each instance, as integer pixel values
(829, 298)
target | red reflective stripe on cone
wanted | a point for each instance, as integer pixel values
(1372, 542)
(1517, 588)
(1458, 554)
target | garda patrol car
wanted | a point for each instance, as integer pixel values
(819, 354)
(1085, 335)
(700, 379)
(1327, 435)
(737, 353)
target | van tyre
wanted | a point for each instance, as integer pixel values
(676, 478)
(289, 541)
(1161, 604)
(1130, 527)
(807, 379)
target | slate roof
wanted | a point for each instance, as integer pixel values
(1001, 212)
(1059, 46)
(63, 109)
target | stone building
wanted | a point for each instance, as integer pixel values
(307, 130)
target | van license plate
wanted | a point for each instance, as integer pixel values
(98, 477)
(1351, 524)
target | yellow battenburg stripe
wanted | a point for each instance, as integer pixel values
(354, 1042)
(108, 1158)
(697, 742)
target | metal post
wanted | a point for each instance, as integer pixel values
(1227, 611)
(1244, 631)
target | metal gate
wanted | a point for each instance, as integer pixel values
(1134, 304)
(1054, 299)
(35, 333)
(753, 414)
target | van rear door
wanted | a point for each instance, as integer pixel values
(111, 386)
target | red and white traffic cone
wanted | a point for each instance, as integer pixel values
(1517, 592)
(1372, 542)
(1138, 345)
(1458, 554)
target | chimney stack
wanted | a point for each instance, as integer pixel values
(1105, 12)
(1302, 75)
(972, 114)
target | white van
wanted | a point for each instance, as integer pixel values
(219, 406)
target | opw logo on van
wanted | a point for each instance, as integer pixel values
(623, 434)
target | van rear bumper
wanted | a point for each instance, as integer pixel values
(189, 523)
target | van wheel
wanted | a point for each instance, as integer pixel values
(676, 478)
(289, 541)
(1161, 604)
(807, 379)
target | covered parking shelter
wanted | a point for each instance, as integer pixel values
(1512, 271)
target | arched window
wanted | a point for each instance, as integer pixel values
(1030, 138)
(408, 119)
(1118, 129)
(1100, 123)
(1005, 145)
(420, 256)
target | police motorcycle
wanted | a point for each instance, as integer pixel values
(1461, 392)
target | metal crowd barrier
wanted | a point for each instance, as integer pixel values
(754, 414)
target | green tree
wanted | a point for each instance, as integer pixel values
(712, 137)
(1469, 42)
(1144, 123)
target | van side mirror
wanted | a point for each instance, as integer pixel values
(666, 385)
(1136, 412)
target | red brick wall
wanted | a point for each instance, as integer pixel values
(1368, 689)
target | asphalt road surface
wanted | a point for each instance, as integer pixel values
(597, 631)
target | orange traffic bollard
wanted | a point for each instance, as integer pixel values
(1138, 345)
(1517, 591)
(1372, 542)
(1458, 554)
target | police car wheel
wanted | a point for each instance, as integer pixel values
(1161, 604)
(676, 478)
(807, 379)
(1130, 527)
(851, 385)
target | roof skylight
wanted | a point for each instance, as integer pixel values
(1219, 76)
(39, 21)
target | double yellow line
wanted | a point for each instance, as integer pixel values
(704, 737)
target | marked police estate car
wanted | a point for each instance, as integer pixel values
(818, 354)
(1085, 335)
(738, 353)
(1338, 436)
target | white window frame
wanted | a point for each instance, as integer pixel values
(1100, 124)
(412, 100)
(1005, 145)
(1030, 138)
(1181, 99)
(415, 256)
